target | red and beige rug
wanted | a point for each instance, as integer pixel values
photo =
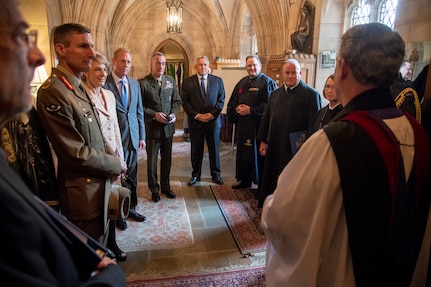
(254, 277)
(167, 225)
(239, 208)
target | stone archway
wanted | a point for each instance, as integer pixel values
(177, 56)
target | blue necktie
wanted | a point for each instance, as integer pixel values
(203, 86)
(124, 93)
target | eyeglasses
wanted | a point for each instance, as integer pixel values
(27, 38)
(329, 87)
(30, 38)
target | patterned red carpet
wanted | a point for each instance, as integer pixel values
(240, 210)
(239, 278)
(167, 225)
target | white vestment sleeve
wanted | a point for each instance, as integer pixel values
(304, 220)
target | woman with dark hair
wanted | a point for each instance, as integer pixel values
(326, 114)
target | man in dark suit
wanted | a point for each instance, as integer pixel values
(130, 115)
(203, 99)
(37, 252)
(162, 104)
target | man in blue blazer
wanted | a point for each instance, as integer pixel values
(130, 115)
(203, 98)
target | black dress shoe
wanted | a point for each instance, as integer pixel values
(155, 197)
(241, 185)
(218, 180)
(193, 181)
(136, 216)
(121, 224)
(118, 253)
(169, 194)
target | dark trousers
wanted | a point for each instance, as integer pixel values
(197, 138)
(131, 159)
(153, 147)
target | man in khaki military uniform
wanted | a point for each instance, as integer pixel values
(71, 124)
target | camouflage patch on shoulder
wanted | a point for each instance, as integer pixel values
(49, 82)
(53, 108)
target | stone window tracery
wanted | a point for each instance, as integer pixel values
(366, 11)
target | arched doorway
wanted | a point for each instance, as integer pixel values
(176, 66)
(176, 60)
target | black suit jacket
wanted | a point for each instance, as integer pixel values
(194, 103)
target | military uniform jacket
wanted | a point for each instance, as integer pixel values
(84, 168)
(157, 99)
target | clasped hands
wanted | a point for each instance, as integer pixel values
(243, 110)
(204, 117)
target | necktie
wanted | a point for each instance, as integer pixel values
(203, 86)
(124, 93)
(81, 88)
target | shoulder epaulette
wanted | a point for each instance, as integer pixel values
(49, 82)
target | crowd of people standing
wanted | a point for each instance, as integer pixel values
(312, 165)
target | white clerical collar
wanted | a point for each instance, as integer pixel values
(286, 88)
